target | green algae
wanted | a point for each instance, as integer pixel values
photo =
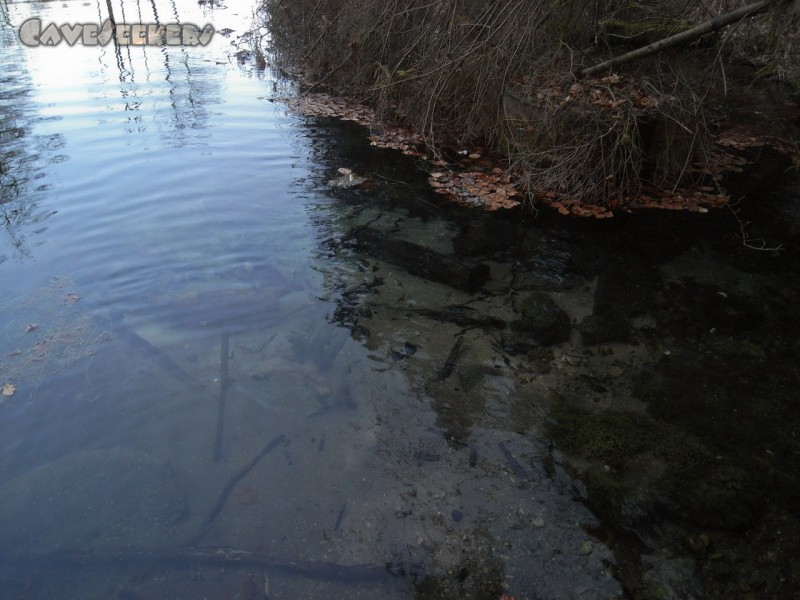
(710, 457)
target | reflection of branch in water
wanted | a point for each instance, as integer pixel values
(12, 221)
(189, 96)
(6, 20)
(22, 154)
(184, 92)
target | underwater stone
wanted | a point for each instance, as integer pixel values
(542, 317)
(597, 329)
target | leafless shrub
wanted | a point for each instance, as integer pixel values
(448, 69)
(771, 43)
(442, 66)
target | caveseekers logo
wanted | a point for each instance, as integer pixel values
(32, 34)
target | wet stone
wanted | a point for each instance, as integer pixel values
(540, 316)
(671, 578)
(598, 329)
(422, 456)
(407, 350)
(516, 343)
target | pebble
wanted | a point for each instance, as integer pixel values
(586, 548)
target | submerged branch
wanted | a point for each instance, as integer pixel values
(214, 557)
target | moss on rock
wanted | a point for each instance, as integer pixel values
(632, 463)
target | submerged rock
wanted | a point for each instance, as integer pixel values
(540, 316)
(597, 329)
(346, 181)
(671, 578)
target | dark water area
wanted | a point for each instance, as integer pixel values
(227, 373)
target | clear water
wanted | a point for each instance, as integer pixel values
(200, 360)
(159, 210)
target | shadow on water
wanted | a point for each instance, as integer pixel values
(23, 157)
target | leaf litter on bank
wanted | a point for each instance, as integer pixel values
(490, 189)
(475, 180)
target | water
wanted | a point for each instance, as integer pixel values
(202, 358)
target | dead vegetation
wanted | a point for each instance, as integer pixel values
(506, 75)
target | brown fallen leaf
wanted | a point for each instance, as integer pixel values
(8, 389)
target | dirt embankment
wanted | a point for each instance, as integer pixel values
(493, 96)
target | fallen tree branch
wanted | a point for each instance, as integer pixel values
(714, 24)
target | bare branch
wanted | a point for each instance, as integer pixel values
(714, 24)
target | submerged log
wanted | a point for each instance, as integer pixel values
(461, 316)
(179, 558)
(151, 351)
(459, 273)
(452, 359)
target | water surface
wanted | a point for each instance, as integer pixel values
(201, 356)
